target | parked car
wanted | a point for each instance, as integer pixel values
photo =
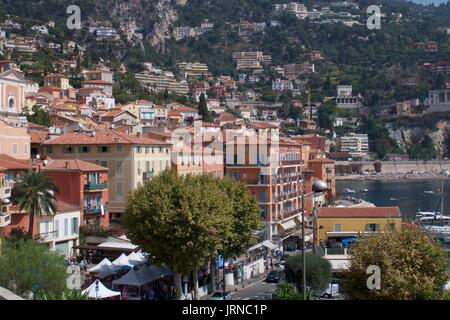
(331, 291)
(218, 295)
(281, 264)
(273, 276)
(266, 296)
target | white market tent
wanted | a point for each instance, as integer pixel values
(98, 291)
(122, 261)
(131, 278)
(118, 245)
(104, 265)
(135, 259)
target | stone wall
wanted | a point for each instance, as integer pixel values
(399, 167)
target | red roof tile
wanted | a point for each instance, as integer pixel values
(102, 137)
(73, 165)
(11, 163)
(367, 212)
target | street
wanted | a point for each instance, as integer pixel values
(253, 290)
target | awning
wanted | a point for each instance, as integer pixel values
(269, 244)
(286, 226)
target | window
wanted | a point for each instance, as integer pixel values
(15, 148)
(25, 149)
(264, 213)
(236, 176)
(83, 149)
(46, 228)
(337, 227)
(138, 149)
(119, 189)
(119, 167)
(153, 150)
(262, 196)
(167, 150)
(139, 167)
(147, 166)
(119, 149)
(104, 164)
(67, 149)
(103, 149)
(66, 226)
(372, 227)
(56, 228)
(147, 150)
(75, 225)
(160, 150)
(49, 149)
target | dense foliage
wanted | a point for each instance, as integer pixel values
(28, 266)
(413, 266)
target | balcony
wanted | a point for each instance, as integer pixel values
(5, 192)
(95, 186)
(92, 210)
(5, 219)
(48, 236)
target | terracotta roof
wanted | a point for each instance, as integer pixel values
(102, 137)
(209, 124)
(185, 109)
(38, 136)
(49, 89)
(31, 125)
(263, 125)
(123, 128)
(114, 113)
(11, 163)
(174, 114)
(56, 75)
(96, 82)
(73, 165)
(368, 212)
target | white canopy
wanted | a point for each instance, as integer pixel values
(98, 291)
(131, 278)
(118, 245)
(105, 264)
(135, 259)
(122, 261)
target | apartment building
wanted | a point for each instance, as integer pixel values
(194, 70)
(14, 141)
(355, 144)
(131, 159)
(161, 82)
(273, 172)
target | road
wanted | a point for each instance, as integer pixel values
(253, 290)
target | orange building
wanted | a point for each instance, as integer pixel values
(84, 184)
(323, 169)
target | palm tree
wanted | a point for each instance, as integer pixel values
(34, 192)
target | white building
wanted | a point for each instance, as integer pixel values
(345, 98)
(355, 144)
(438, 101)
(61, 231)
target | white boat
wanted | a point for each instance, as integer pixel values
(393, 199)
(347, 190)
(365, 190)
(428, 192)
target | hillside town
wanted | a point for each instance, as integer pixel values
(100, 132)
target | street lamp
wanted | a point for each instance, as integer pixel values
(318, 187)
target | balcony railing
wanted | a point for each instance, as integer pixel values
(95, 186)
(94, 210)
(5, 219)
(47, 236)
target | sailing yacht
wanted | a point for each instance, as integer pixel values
(436, 222)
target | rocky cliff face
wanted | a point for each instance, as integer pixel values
(407, 136)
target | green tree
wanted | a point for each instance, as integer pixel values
(203, 109)
(286, 291)
(173, 218)
(34, 192)
(318, 271)
(412, 265)
(30, 266)
(39, 116)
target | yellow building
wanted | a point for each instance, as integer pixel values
(131, 159)
(338, 223)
